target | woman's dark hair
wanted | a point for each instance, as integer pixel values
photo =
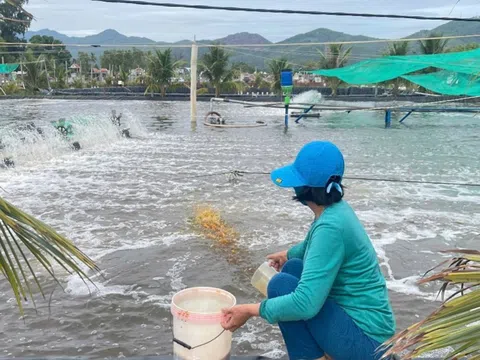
(318, 195)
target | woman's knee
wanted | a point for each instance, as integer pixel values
(281, 284)
(293, 267)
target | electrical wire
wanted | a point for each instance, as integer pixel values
(290, 12)
(154, 45)
(240, 173)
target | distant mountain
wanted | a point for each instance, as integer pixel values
(47, 32)
(243, 38)
(453, 28)
(258, 56)
(359, 51)
(108, 36)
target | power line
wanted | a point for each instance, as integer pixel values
(353, 42)
(278, 11)
(453, 8)
(240, 173)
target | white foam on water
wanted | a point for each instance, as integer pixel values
(176, 284)
(76, 287)
(308, 97)
(276, 353)
(118, 194)
(409, 286)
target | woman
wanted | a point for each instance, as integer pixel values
(330, 297)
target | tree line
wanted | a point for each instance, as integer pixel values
(48, 66)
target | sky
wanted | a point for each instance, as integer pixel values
(86, 17)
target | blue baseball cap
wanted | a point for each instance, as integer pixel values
(315, 164)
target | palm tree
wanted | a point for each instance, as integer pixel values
(215, 67)
(123, 77)
(397, 49)
(433, 46)
(35, 76)
(335, 57)
(456, 322)
(109, 80)
(78, 83)
(161, 71)
(93, 59)
(260, 81)
(275, 67)
(60, 82)
(26, 245)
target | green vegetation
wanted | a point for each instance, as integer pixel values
(433, 46)
(161, 70)
(215, 67)
(125, 59)
(260, 82)
(397, 49)
(35, 77)
(275, 68)
(455, 323)
(58, 54)
(12, 31)
(335, 57)
(465, 47)
(28, 245)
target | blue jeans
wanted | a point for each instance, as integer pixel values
(332, 331)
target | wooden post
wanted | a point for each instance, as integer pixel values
(66, 74)
(193, 82)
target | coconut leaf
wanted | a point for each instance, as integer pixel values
(456, 322)
(21, 233)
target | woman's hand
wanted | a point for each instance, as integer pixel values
(237, 316)
(277, 260)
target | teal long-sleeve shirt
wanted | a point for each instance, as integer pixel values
(339, 262)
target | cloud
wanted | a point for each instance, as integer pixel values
(165, 24)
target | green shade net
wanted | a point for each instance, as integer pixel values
(448, 83)
(378, 70)
(371, 71)
(8, 68)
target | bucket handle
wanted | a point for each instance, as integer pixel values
(188, 347)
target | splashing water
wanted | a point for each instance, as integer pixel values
(308, 97)
(36, 142)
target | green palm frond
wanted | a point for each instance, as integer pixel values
(456, 323)
(433, 46)
(215, 67)
(26, 244)
(161, 71)
(275, 67)
(123, 76)
(335, 57)
(398, 48)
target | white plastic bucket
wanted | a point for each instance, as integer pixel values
(262, 277)
(197, 333)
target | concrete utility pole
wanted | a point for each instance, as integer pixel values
(193, 82)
